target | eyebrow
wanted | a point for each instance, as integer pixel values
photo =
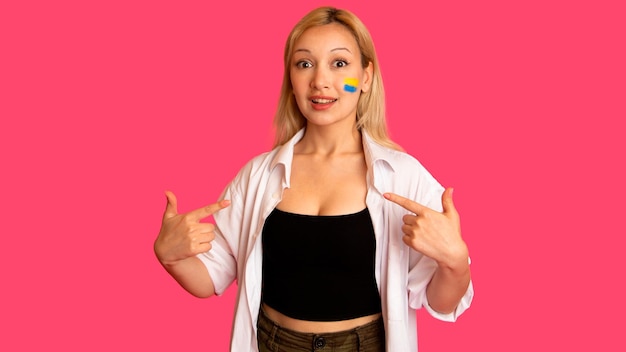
(346, 49)
(335, 49)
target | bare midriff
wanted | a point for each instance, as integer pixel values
(316, 326)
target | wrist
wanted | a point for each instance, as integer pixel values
(456, 263)
(163, 257)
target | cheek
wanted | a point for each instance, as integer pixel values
(350, 85)
(295, 89)
(298, 85)
(298, 92)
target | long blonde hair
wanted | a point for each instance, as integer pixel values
(371, 106)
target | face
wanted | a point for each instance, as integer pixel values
(327, 76)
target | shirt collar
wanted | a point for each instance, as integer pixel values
(375, 152)
(379, 160)
(284, 156)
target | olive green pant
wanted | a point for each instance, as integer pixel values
(365, 338)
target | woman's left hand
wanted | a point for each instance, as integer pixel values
(434, 234)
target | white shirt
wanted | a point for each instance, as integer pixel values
(402, 274)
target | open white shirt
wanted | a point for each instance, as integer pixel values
(402, 274)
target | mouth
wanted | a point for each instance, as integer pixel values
(323, 100)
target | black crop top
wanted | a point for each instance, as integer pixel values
(320, 268)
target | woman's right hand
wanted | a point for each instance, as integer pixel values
(183, 235)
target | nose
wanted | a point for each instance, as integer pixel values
(320, 78)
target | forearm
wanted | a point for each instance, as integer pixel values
(447, 287)
(192, 275)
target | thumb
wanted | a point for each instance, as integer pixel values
(171, 209)
(447, 202)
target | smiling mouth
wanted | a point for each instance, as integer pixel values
(323, 101)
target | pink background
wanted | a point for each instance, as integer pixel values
(105, 104)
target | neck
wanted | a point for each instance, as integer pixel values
(326, 140)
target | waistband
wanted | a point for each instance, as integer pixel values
(374, 330)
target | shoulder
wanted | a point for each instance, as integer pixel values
(399, 161)
(258, 170)
(401, 173)
(268, 161)
(408, 170)
(255, 167)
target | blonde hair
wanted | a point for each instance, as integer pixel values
(371, 106)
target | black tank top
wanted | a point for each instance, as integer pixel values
(320, 268)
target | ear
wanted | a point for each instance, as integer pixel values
(368, 76)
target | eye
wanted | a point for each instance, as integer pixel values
(303, 64)
(340, 63)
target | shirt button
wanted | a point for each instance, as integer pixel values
(320, 342)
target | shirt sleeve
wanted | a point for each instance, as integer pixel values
(220, 260)
(423, 268)
(220, 264)
(418, 280)
(465, 302)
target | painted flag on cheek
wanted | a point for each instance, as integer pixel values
(350, 84)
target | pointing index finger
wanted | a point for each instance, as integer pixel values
(209, 210)
(405, 203)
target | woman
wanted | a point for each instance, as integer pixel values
(336, 236)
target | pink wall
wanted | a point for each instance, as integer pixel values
(104, 105)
